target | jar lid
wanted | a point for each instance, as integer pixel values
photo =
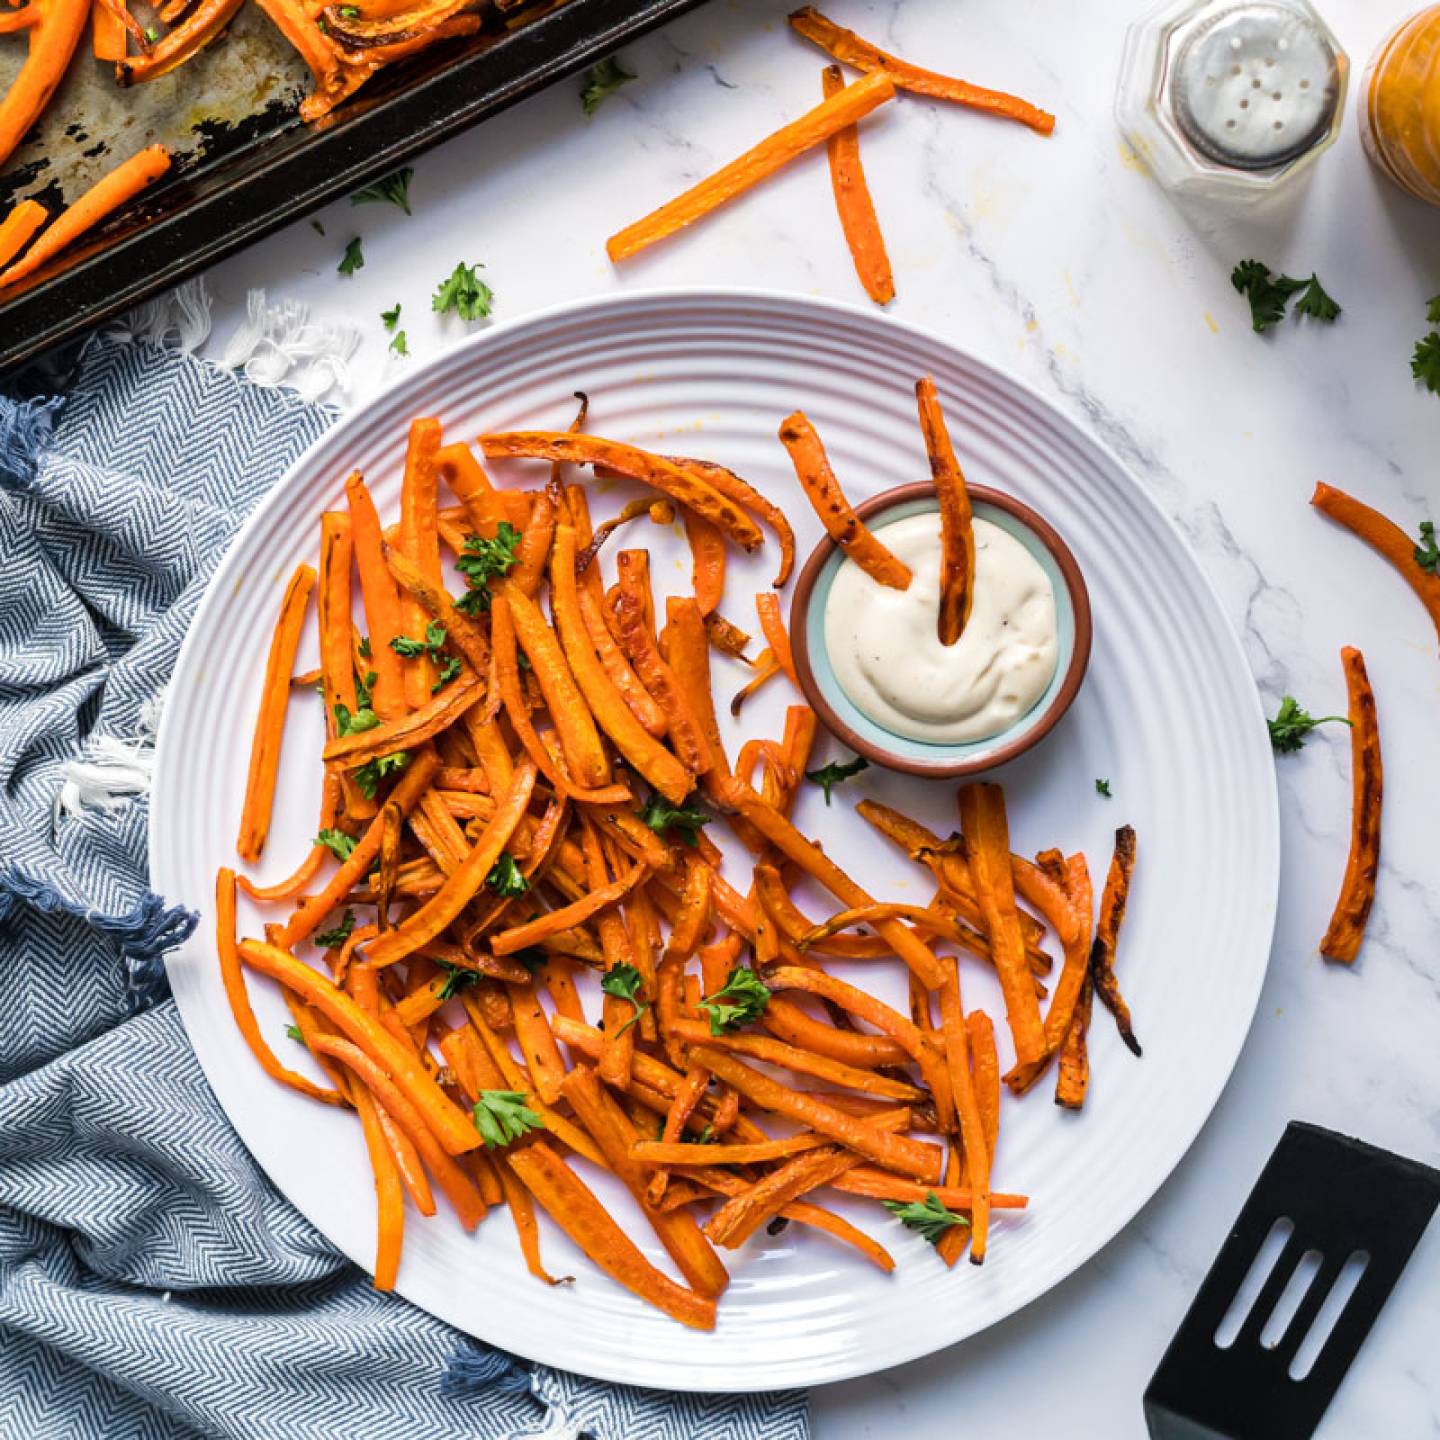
(1255, 85)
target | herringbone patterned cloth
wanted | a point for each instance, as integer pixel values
(153, 1286)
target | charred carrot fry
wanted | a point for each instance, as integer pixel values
(270, 719)
(204, 24)
(1073, 1080)
(985, 1064)
(847, 47)
(842, 524)
(987, 837)
(439, 712)
(574, 1207)
(450, 1126)
(931, 921)
(777, 637)
(1107, 931)
(108, 193)
(460, 630)
(771, 154)
(967, 1109)
(1367, 779)
(744, 494)
(461, 887)
(23, 220)
(380, 598)
(612, 658)
(53, 38)
(457, 466)
(232, 976)
(26, 18)
(854, 206)
(522, 937)
(707, 561)
(957, 534)
(1382, 534)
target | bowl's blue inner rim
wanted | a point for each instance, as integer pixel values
(922, 749)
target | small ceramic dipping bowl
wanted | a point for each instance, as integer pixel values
(919, 757)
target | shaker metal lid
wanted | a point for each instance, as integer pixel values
(1255, 85)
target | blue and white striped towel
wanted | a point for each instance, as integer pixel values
(152, 1283)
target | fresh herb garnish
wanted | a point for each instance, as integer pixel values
(705, 1137)
(152, 33)
(450, 667)
(370, 774)
(1269, 294)
(741, 1000)
(1292, 724)
(331, 939)
(294, 1032)
(363, 649)
(433, 641)
(338, 843)
(317, 227)
(505, 877)
(354, 258)
(601, 81)
(1425, 363)
(365, 689)
(465, 293)
(1432, 310)
(532, 957)
(502, 1116)
(483, 561)
(393, 189)
(828, 776)
(931, 1219)
(356, 722)
(1102, 787)
(457, 978)
(1427, 553)
(686, 820)
(399, 345)
(623, 981)
(350, 12)
(391, 318)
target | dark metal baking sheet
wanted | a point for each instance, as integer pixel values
(253, 167)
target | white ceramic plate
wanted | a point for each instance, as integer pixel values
(1168, 714)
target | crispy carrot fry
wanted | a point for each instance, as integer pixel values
(967, 1109)
(204, 24)
(877, 1185)
(632, 739)
(931, 921)
(450, 1126)
(522, 937)
(1107, 931)
(617, 1137)
(771, 154)
(293, 884)
(707, 561)
(52, 40)
(25, 18)
(985, 1063)
(533, 551)
(854, 206)
(987, 837)
(461, 887)
(573, 1206)
(617, 667)
(438, 713)
(841, 523)
(457, 466)
(419, 542)
(788, 1022)
(777, 637)
(691, 491)
(1382, 534)
(24, 219)
(332, 604)
(381, 600)
(810, 858)
(270, 718)
(657, 1152)
(957, 535)
(108, 193)
(390, 1198)
(1367, 779)
(232, 976)
(895, 1152)
(728, 483)
(850, 49)
(1074, 1077)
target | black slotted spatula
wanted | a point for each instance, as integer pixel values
(1341, 1197)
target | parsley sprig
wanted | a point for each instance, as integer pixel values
(931, 1219)
(331, 939)
(354, 722)
(457, 978)
(1293, 723)
(833, 774)
(1427, 553)
(433, 645)
(483, 561)
(392, 189)
(685, 820)
(1269, 294)
(502, 1116)
(368, 777)
(741, 1000)
(354, 258)
(1102, 787)
(505, 877)
(1425, 362)
(624, 982)
(601, 81)
(465, 293)
(338, 843)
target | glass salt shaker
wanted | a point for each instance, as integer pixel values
(1226, 100)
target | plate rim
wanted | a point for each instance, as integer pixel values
(1267, 809)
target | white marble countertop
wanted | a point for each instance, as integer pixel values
(1063, 261)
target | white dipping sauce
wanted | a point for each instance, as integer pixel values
(889, 660)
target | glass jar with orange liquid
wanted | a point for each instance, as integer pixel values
(1400, 106)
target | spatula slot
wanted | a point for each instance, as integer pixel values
(1296, 1288)
(1329, 1315)
(1272, 1247)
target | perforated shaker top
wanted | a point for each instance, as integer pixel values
(1255, 85)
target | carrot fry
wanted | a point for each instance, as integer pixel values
(381, 600)
(533, 551)
(232, 976)
(810, 858)
(1382, 534)
(1367, 779)
(53, 38)
(681, 485)
(337, 666)
(461, 887)
(1074, 1077)
(771, 154)
(957, 535)
(728, 483)
(390, 1198)
(934, 922)
(23, 220)
(108, 193)
(270, 718)
(306, 871)
(204, 24)
(877, 1185)
(777, 637)
(894, 1152)
(617, 667)
(850, 49)
(537, 1044)
(854, 206)
(574, 1207)
(967, 1109)
(450, 1125)
(522, 937)
(707, 561)
(26, 18)
(438, 713)
(987, 836)
(419, 542)
(1107, 931)
(836, 514)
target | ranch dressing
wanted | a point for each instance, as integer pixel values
(889, 661)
